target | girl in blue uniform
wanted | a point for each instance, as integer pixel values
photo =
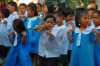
(30, 22)
(96, 20)
(82, 38)
(18, 54)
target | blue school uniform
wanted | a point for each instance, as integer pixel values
(97, 50)
(82, 51)
(18, 54)
(33, 35)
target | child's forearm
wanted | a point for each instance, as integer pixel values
(23, 39)
(73, 27)
(69, 37)
(38, 27)
(41, 21)
(11, 40)
(96, 39)
(49, 33)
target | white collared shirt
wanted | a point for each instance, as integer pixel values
(13, 16)
(48, 46)
(4, 31)
(60, 32)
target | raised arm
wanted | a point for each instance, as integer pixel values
(38, 27)
(9, 36)
(40, 17)
(68, 34)
(97, 36)
(24, 37)
(49, 33)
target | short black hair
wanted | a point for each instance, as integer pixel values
(61, 6)
(5, 12)
(50, 7)
(19, 25)
(50, 16)
(67, 11)
(80, 9)
(22, 4)
(13, 4)
(78, 16)
(92, 9)
(33, 6)
(39, 4)
(59, 13)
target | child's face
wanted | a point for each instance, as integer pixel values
(84, 20)
(59, 20)
(20, 13)
(69, 17)
(11, 8)
(90, 12)
(49, 23)
(30, 13)
(39, 9)
(96, 19)
(22, 9)
(45, 9)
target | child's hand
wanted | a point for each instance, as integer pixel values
(95, 31)
(70, 30)
(5, 22)
(40, 14)
(24, 37)
(11, 33)
(40, 17)
(70, 22)
(24, 34)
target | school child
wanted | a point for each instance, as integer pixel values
(59, 31)
(39, 7)
(82, 39)
(96, 20)
(90, 13)
(5, 28)
(12, 6)
(22, 10)
(68, 17)
(48, 9)
(18, 54)
(48, 46)
(30, 22)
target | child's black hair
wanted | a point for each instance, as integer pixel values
(50, 7)
(19, 25)
(98, 12)
(50, 16)
(61, 6)
(33, 6)
(80, 9)
(22, 4)
(92, 9)
(59, 13)
(67, 11)
(39, 4)
(4, 3)
(13, 4)
(78, 16)
(5, 13)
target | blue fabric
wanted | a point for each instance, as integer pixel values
(33, 36)
(97, 51)
(19, 55)
(82, 55)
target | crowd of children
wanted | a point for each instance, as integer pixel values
(49, 35)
